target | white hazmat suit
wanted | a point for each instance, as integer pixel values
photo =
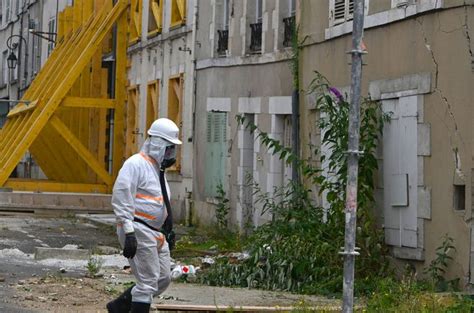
(137, 195)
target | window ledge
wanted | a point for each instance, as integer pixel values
(382, 18)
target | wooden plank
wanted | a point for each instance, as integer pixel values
(104, 134)
(83, 152)
(69, 166)
(157, 14)
(77, 14)
(50, 85)
(54, 186)
(80, 102)
(243, 308)
(152, 108)
(120, 82)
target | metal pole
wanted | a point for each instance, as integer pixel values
(353, 158)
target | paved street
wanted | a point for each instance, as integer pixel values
(20, 235)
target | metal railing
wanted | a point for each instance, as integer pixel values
(289, 30)
(223, 42)
(256, 37)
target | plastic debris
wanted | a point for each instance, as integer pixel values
(208, 261)
(180, 270)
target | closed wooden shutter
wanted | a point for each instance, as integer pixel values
(216, 147)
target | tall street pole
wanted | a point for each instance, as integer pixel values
(353, 158)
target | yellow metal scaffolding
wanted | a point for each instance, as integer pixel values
(64, 119)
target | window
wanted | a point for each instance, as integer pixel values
(36, 48)
(292, 7)
(175, 109)
(226, 14)
(135, 21)
(178, 12)
(216, 151)
(223, 34)
(51, 31)
(259, 7)
(256, 29)
(152, 103)
(460, 197)
(155, 22)
(341, 11)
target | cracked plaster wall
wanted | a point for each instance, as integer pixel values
(438, 42)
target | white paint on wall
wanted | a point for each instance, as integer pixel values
(250, 105)
(218, 104)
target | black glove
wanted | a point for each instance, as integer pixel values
(171, 239)
(130, 246)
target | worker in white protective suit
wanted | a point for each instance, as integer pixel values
(139, 206)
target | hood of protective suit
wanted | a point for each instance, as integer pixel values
(155, 147)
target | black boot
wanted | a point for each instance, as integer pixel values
(140, 307)
(122, 304)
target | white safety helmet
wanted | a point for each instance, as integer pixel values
(166, 129)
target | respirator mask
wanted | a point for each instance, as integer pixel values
(170, 157)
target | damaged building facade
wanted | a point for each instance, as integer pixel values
(242, 69)
(203, 63)
(420, 66)
(161, 83)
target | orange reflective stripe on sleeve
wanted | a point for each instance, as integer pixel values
(142, 196)
(148, 216)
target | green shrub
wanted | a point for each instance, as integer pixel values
(298, 250)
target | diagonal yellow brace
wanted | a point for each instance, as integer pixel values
(83, 152)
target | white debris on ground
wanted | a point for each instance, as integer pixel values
(16, 256)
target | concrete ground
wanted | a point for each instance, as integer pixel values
(57, 284)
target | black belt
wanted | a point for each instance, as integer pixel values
(135, 219)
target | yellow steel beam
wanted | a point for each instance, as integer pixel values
(39, 119)
(83, 152)
(79, 102)
(53, 186)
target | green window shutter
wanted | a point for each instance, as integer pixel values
(216, 148)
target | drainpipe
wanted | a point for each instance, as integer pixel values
(295, 133)
(112, 73)
(189, 198)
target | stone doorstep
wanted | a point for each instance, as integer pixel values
(42, 253)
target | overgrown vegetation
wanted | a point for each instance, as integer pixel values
(94, 266)
(298, 250)
(437, 268)
(222, 209)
